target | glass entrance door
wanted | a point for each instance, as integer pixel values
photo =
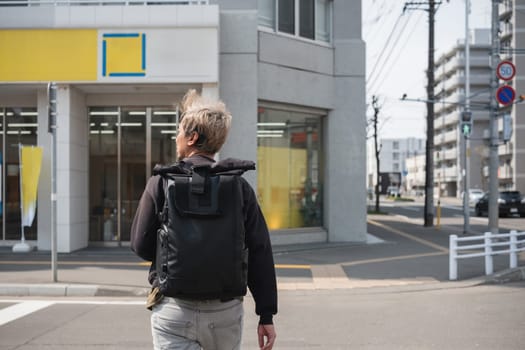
(132, 165)
(103, 173)
(18, 126)
(125, 143)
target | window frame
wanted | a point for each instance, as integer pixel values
(297, 18)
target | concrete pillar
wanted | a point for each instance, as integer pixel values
(72, 169)
(44, 184)
(345, 197)
(238, 83)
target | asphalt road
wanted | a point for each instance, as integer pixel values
(451, 215)
(482, 317)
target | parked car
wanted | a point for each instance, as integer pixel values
(393, 191)
(474, 195)
(509, 203)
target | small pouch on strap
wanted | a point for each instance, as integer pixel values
(198, 179)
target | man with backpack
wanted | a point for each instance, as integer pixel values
(200, 225)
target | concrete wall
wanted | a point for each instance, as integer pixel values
(329, 77)
(107, 16)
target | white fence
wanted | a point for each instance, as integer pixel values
(505, 243)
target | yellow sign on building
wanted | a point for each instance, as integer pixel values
(124, 54)
(48, 55)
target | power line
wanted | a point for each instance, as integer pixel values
(400, 51)
(394, 61)
(382, 52)
(392, 48)
(373, 34)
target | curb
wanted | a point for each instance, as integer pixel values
(506, 276)
(89, 290)
(68, 290)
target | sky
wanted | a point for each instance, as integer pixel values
(397, 57)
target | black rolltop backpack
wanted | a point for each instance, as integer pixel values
(201, 250)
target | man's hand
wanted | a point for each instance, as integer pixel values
(268, 331)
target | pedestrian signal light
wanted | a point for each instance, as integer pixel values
(466, 129)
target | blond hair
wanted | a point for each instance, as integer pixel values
(208, 118)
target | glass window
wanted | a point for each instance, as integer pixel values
(287, 16)
(103, 168)
(323, 20)
(306, 19)
(132, 165)
(163, 133)
(266, 13)
(289, 168)
(125, 144)
(314, 17)
(19, 128)
(395, 145)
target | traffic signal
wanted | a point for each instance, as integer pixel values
(52, 106)
(466, 129)
(466, 123)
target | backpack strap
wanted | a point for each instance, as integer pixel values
(163, 214)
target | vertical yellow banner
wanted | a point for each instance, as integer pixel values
(30, 163)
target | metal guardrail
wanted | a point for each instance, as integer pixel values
(25, 3)
(512, 243)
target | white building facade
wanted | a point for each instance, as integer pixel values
(511, 171)
(415, 179)
(291, 72)
(449, 106)
(392, 158)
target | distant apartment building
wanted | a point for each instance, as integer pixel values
(392, 158)
(511, 172)
(415, 179)
(450, 103)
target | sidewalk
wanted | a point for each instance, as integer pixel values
(399, 254)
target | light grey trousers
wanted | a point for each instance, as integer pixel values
(195, 325)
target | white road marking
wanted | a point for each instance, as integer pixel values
(24, 308)
(410, 208)
(17, 311)
(79, 302)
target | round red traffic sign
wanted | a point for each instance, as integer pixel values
(505, 94)
(506, 70)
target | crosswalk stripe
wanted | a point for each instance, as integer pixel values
(17, 311)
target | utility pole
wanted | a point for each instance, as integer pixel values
(52, 128)
(494, 137)
(467, 114)
(377, 149)
(429, 155)
(429, 152)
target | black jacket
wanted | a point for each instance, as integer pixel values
(261, 271)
